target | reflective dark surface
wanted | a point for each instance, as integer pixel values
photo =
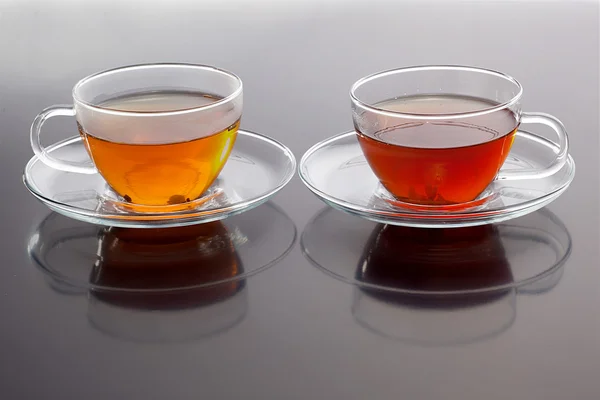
(291, 331)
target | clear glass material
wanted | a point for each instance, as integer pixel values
(497, 109)
(161, 284)
(257, 168)
(337, 172)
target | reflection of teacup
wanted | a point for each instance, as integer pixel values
(162, 275)
(159, 134)
(166, 284)
(443, 279)
(420, 322)
(183, 314)
(162, 284)
(435, 260)
(438, 286)
(165, 258)
(438, 135)
(439, 272)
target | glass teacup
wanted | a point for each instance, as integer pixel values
(439, 135)
(159, 134)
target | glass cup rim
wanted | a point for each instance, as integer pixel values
(200, 67)
(394, 71)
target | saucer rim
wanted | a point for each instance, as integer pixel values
(438, 219)
(169, 219)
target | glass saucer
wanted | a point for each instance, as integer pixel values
(337, 172)
(162, 284)
(257, 168)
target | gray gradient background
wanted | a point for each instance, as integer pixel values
(298, 60)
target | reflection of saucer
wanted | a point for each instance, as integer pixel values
(526, 250)
(162, 284)
(440, 286)
(68, 250)
(257, 168)
(337, 172)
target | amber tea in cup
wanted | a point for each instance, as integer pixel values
(439, 135)
(159, 134)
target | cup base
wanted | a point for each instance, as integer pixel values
(119, 204)
(486, 196)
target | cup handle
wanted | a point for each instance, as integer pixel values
(561, 153)
(40, 151)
